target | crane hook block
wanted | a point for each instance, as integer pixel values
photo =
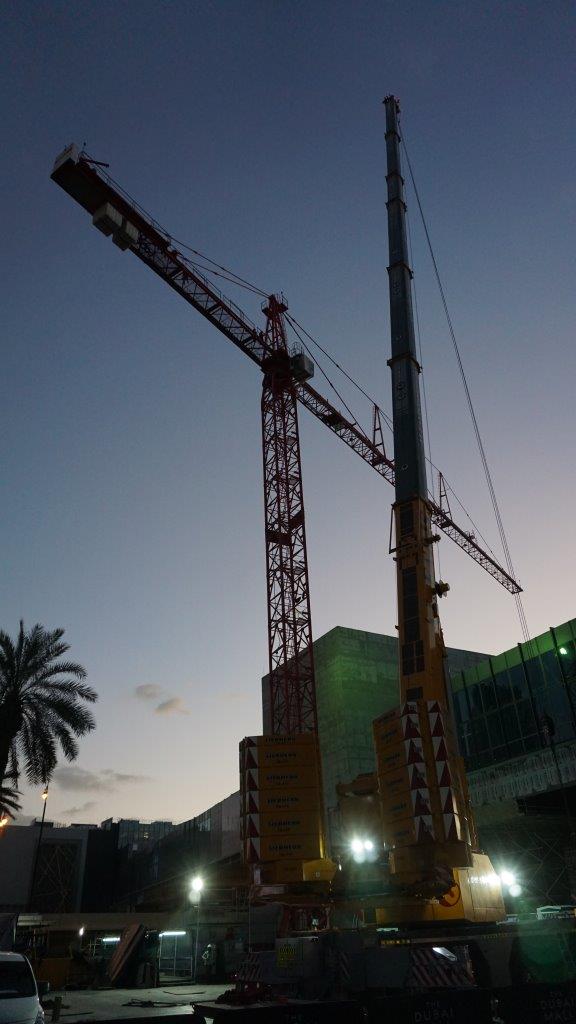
(441, 588)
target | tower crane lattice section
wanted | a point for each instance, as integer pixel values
(291, 659)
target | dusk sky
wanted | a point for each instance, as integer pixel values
(131, 463)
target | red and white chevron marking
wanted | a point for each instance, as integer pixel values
(250, 970)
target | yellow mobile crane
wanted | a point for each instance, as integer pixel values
(436, 867)
(423, 860)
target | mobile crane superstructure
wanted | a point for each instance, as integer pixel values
(426, 813)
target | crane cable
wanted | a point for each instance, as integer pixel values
(228, 275)
(297, 327)
(421, 361)
(479, 442)
(355, 422)
(233, 277)
(294, 323)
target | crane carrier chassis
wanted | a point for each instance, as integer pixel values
(503, 974)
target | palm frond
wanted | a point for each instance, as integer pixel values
(9, 803)
(43, 700)
(66, 686)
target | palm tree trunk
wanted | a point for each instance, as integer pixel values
(10, 724)
(5, 744)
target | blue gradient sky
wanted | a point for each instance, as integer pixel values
(132, 509)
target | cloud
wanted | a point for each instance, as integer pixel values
(147, 691)
(71, 812)
(77, 779)
(172, 706)
(122, 778)
(168, 706)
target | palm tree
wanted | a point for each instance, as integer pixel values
(40, 704)
(9, 803)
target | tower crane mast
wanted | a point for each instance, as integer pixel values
(290, 653)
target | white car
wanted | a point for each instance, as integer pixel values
(19, 1002)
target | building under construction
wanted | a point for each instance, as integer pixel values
(522, 781)
(523, 788)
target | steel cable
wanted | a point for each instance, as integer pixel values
(479, 442)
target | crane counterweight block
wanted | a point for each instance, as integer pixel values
(107, 219)
(110, 221)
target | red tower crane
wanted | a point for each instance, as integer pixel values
(286, 383)
(290, 653)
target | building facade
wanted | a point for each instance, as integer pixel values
(516, 723)
(516, 704)
(58, 869)
(44, 868)
(356, 681)
(515, 716)
(133, 833)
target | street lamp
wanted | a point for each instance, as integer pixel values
(362, 849)
(37, 854)
(509, 879)
(196, 887)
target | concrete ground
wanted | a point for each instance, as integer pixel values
(86, 1007)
